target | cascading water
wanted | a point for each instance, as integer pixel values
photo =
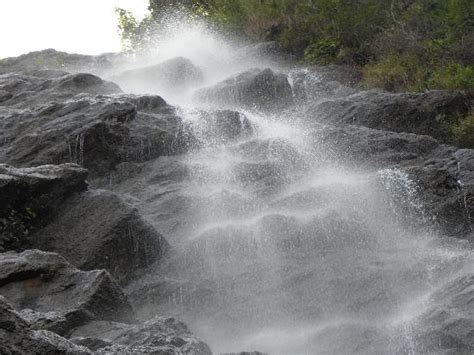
(278, 247)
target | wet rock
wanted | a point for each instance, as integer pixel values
(55, 60)
(256, 89)
(265, 164)
(450, 203)
(5, 95)
(263, 176)
(444, 175)
(91, 343)
(30, 197)
(323, 82)
(159, 335)
(271, 149)
(158, 186)
(34, 88)
(448, 324)
(16, 336)
(40, 320)
(174, 74)
(376, 148)
(46, 282)
(98, 230)
(95, 132)
(163, 294)
(431, 113)
(218, 127)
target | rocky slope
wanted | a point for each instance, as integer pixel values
(68, 247)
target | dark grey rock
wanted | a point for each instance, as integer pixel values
(91, 343)
(262, 90)
(96, 132)
(98, 230)
(16, 337)
(40, 320)
(158, 186)
(29, 198)
(157, 336)
(46, 282)
(431, 113)
(174, 74)
(266, 164)
(218, 127)
(40, 87)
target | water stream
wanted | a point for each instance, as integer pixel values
(283, 249)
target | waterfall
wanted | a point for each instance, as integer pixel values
(278, 245)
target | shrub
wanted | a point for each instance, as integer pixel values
(405, 45)
(454, 77)
(397, 73)
(463, 132)
(323, 51)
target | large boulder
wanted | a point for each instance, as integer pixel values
(158, 185)
(98, 230)
(97, 132)
(46, 282)
(311, 84)
(17, 337)
(29, 197)
(256, 89)
(51, 59)
(23, 90)
(431, 113)
(173, 74)
(157, 336)
(219, 127)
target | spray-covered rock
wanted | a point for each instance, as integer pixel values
(431, 113)
(219, 127)
(97, 132)
(262, 90)
(46, 282)
(23, 90)
(173, 75)
(17, 337)
(30, 198)
(98, 230)
(158, 335)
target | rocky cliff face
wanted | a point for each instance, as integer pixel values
(93, 196)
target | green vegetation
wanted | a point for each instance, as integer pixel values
(400, 44)
(463, 132)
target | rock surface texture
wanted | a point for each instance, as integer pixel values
(285, 196)
(98, 230)
(17, 337)
(431, 113)
(174, 74)
(46, 282)
(159, 335)
(30, 197)
(68, 122)
(255, 89)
